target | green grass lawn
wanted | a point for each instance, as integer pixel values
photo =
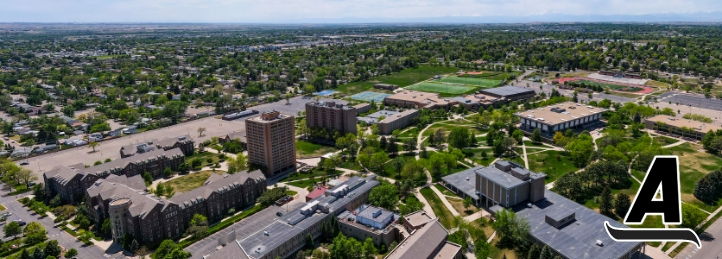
(475, 81)
(445, 191)
(448, 127)
(442, 88)
(404, 78)
(104, 57)
(662, 140)
(317, 173)
(445, 216)
(291, 193)
(548, 163)
(190, 181)
(411, 133)
(389, 169)
(615, 87)
(693, 165)
(204, 156)
(353, 165)
(651, 221)
(301, 183)
(305, 149)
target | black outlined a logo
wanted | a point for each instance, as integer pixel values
(662, 177)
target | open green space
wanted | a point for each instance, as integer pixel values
(190, 181)
(303, 183)
(447, 128)
(305, 149)
(442, 88)
(693, 165)
(353, 165)
(105, 57)
(652, 83)
(553, 163)
(403, 78)
(662, 140)
(206, 158)
(446, 218)
(445, 191)
(475, 81)
(315, 173)
(389, 170)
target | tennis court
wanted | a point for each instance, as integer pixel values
(326, 93)
(483, 82)
(445, 88)
(370, 96)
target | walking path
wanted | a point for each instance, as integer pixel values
(445, 201)
(423, 200)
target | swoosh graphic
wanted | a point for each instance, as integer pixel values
(652, 234)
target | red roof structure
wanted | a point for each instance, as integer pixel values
(318, 191)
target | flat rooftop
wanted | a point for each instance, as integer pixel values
(398, 116)
(500, 177)
(374, 117)
(507, 91)
(422, 243)
(464, 181)
(569, 111)
(368, 211)
(578, 239)
(678, 122)
(429, 99)
(417, 218)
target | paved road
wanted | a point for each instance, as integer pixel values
(710, 245)
(64, 239)
(243, 229)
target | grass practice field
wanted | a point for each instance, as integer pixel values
(615, 87)
(404, 78)
(482, 82)
(442, 88)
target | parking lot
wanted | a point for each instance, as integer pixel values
(111, 148)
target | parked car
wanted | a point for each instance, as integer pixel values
(24, 163)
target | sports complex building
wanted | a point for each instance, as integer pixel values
(509, 93)
(571, 230)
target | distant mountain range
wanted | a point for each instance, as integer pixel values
(710, 17)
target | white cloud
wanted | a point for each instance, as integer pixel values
(280, 11)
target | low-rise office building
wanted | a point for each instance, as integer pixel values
(288, 233)
(148, 218)
(397, 121)
(559, 117)
(430, 241)
(419, 100)
(70, 182)
(681, 127)
(331, 116)
(370, 222)
(568, 228)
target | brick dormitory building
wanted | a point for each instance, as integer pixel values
(185, 143)
(332, 116)
(149, 219)
(272, 142)
(71, 181)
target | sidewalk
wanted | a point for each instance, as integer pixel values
(445, 201)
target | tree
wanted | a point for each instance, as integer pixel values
(385, 196)
(69, 111)
(512, 230)
(533, 252)
(237, 164)
(167, 172)
(26, 176)
(309, 242)
(105, 228)
(148, 178)
(168, 249)
(536, 136)
(546, 253)
(34, 233)
(605, 201)
(198, 226)
(134, 246)
(377, 161)
(459, 137)
(398, 164)
(52, 249)
(692, 216)
(200, 131)
(467, 203)
(12, 229)
(410, 144)
(93, 145)
(438, 138)
(518, 135)
(621, 204)
(71, 253)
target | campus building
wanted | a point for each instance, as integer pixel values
(331, 116)
(149, 219)
(559, 117)
(418, 100)
(397, 121)
(288, 233)
(568, 228)
(185, 143)
(509, 93)
(272, 142)
(681, 127)
(70, 182)
(429, 241)
(370, 222)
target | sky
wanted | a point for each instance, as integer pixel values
(355, 11)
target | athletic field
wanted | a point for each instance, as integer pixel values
(482, 82)
(444, 88)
